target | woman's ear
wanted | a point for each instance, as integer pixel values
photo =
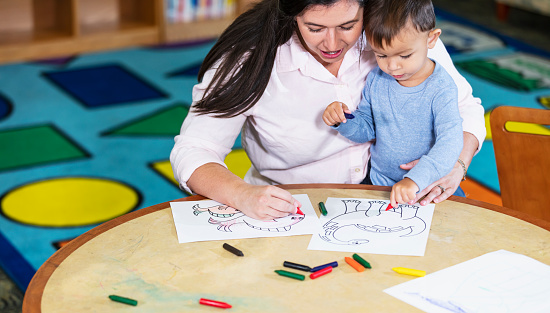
(432, 37)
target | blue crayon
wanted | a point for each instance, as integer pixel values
(349, 116)
(320, 267)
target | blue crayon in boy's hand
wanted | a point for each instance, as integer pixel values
(349, 116)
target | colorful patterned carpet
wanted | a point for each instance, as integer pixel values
(87, 138)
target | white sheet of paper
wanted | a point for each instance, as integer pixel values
(210, 220)
(495, 282)
(364, 225)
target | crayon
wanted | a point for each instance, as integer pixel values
(123, 300)
(409, 271)
(361, 261)
(349, 116)
(298, 211)
(214, 303)
(321, 272)
(389, 206)
(320, 267)
(323, 209)
(297, 266)
(233, 250)
(358, 267)
(290, 274)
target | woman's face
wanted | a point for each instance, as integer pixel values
(328, 32)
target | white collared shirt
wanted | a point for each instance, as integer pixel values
(284, 134)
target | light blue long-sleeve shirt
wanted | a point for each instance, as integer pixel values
(408, 123)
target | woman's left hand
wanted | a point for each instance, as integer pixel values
(441, 189)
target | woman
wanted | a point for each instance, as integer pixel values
(271, 75)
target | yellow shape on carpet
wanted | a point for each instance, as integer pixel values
(517, 127)
(70, 201)
(165, 169)
(237, 162)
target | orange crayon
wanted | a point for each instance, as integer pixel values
(358, 267)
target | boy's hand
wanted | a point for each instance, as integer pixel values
(334, 113)
(403, 191)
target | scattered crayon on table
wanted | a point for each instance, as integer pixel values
(409, 271)
(214, 303)
(233, 250)
(296, 266)
(321, 272)
(290, 275)
(322, 208)
(123, 300)
(358, 267)
(361, 261)
(320, 267)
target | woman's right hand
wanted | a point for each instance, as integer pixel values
(261, 202)
(265, 202)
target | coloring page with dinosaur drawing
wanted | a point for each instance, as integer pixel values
(210, 220)
(364, 225)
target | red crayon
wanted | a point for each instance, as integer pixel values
(217, 304)
(298, 211)
(389, 206)
(321, 272)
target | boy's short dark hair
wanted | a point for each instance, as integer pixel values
(384, 19)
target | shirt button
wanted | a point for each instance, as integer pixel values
(357, 170)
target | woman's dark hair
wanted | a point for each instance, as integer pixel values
(384, 19)
(246, 53)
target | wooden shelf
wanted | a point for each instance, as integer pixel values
(202, 29)
(41, 29)
(195, 30)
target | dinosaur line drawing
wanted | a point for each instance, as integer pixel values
(363, 221)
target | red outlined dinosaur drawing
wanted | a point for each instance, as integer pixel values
(226, 217)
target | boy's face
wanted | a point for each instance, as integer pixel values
(406, 59)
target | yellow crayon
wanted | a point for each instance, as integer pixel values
(409, 271)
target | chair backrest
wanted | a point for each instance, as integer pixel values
(523, 160)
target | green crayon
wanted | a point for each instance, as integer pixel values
(361, 261)
(123, 300)
(322, 208)
(290, 274)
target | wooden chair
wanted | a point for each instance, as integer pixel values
(523, 161)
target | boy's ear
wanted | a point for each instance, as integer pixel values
(432, 37)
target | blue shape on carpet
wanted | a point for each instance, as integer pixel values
(5, 107)
(106, 85)
(14, 264)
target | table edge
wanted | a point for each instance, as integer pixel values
(33, 295)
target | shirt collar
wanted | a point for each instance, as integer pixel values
(291, 55)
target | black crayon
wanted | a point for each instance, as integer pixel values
(233, 250)
(297, 266)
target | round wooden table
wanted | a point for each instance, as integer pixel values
(137, 255)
